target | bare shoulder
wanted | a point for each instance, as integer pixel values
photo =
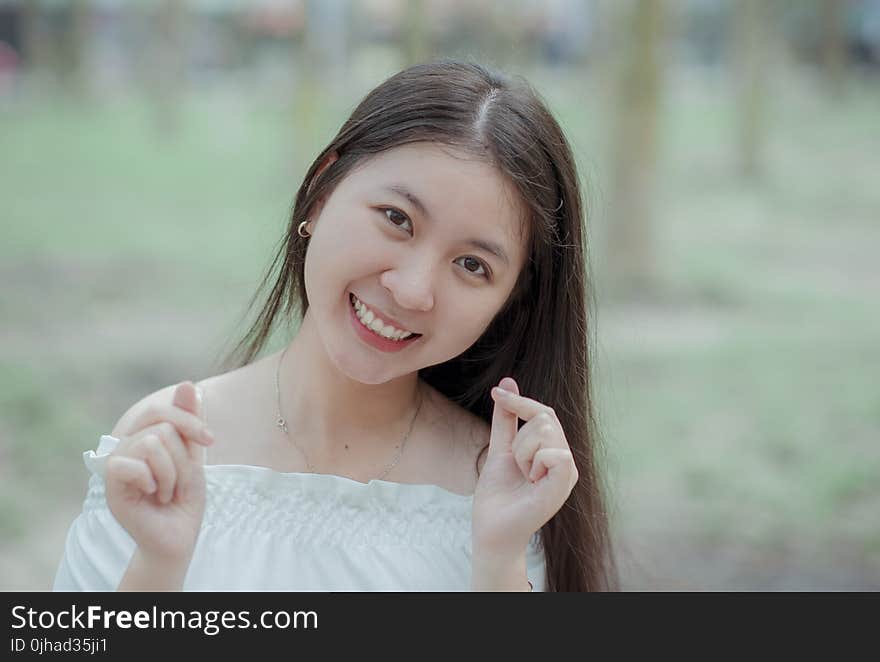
(164, 397)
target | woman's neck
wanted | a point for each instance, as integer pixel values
(327, 411)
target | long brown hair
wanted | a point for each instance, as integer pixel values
(542, 335)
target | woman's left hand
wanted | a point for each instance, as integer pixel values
(527, 476)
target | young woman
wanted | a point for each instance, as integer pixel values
(436, 260)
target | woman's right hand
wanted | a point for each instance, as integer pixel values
(155, 480)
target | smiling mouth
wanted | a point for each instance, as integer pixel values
(369, 325)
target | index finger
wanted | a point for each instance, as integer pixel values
(524, 407)
(188, 397)
(188, 425)
(504, 427)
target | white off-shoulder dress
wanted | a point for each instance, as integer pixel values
(269, 531)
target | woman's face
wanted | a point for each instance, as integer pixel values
(411, 233)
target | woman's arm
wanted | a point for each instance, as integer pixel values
(492, 572)
(145, 573)
(155, 488)
(528, 475)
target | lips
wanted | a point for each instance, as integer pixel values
(386, 319)
(373, 339)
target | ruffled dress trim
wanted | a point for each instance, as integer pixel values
(321, 509)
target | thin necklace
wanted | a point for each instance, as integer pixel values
(282, 423)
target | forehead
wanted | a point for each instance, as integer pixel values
(463, 194)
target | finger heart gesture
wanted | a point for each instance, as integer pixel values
(528, 474)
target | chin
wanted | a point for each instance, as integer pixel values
(361, 369)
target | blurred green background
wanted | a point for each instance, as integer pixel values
(730, 152)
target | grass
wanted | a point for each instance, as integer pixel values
(740, 407)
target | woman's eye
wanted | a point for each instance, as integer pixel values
(472, 261)
(392, 214)
(471, 264)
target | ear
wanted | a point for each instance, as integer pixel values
(328, 160)
(319, 204)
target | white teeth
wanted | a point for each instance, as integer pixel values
(369, 320)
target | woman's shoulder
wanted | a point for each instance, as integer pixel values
(469, 434)
(233, 407)
(216, 386)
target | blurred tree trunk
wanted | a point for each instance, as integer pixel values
(513, 41)
(631, 262)
(321, 68)
(327, 35)
(415, 34)
(70, 58)
(750, 54)
(169, 61)
(307, 61)
(833, 47)
(136, 23)
(35, 40)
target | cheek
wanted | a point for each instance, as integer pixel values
(353, 241)
(464, 327)
(336, 255)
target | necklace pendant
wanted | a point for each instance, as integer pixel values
(281, 423)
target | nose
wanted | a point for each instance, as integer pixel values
(411, 285)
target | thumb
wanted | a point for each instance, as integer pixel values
(189, 398)
(504, 422)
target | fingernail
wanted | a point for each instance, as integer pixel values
(152, 487)
(207, 437)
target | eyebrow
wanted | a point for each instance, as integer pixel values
(488, 246)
